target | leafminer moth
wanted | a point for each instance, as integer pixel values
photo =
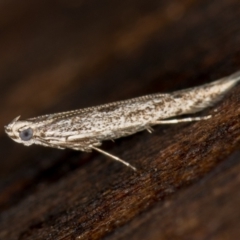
(86, 128)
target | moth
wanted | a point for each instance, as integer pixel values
(86, 128)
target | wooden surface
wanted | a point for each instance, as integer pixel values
(62, 55)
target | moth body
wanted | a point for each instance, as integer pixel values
(85, 129)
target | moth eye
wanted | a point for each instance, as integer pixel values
(26, 134)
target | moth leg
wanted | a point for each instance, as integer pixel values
(114, 158)
(173, 121)
(149, 129)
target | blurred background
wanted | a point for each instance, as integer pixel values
(59, 55)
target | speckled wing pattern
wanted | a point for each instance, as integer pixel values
(85, 129)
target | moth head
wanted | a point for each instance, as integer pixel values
(20, 131)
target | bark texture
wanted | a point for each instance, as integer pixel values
(63, 55)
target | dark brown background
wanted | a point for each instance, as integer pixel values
(67, 54)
